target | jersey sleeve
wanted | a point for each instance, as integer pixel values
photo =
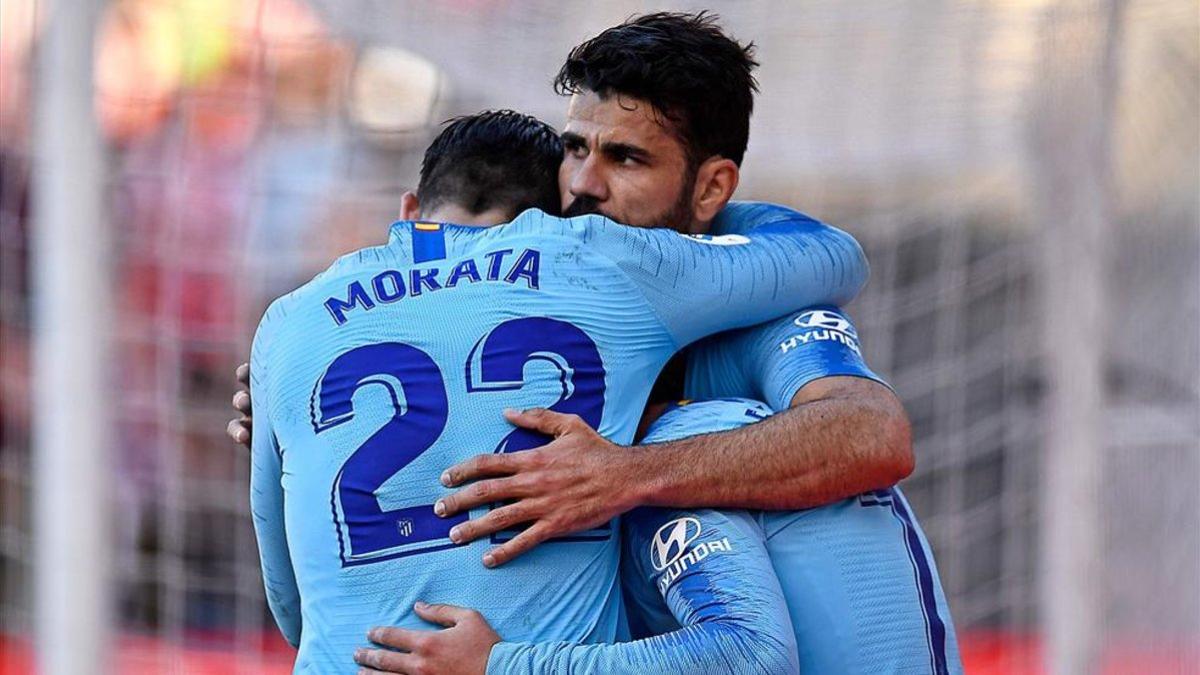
(701, 284)
(266, 501)
(711, 572)
(774, 360)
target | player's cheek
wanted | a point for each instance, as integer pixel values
(630, 201)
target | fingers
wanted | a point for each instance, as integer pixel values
(546, 421)
(443, 615)
(397, 638)
(384, 661)
(482, 466)
(523, 542)
(241, 401)
(238, 432)
(481, 493)
(496, 520)
(239, 429)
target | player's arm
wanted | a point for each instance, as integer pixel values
(699, 285)
(842, 431)
(581, 479)
(694, 287)
(266, 505)
(727, 607)
(720, 589)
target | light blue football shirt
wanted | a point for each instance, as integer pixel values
(396, 363)
(858, 576)
(846, 588)
(703, 599)
(772, 361)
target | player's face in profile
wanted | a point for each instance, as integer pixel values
(621, 162)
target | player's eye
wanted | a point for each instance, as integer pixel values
(626, 159)
(574, 148)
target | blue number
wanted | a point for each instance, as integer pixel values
(497, 363)
(420, 409)
(367, 533)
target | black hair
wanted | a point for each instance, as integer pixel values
(685, 67)
(496, 158)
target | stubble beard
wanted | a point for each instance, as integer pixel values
(677, 217)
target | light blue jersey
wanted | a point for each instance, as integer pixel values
(858, 576)
(703, 599)
(396, 363)
(846, 588)
(773, 360)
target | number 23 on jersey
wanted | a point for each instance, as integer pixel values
(367, 532)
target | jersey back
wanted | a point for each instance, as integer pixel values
(397, 362)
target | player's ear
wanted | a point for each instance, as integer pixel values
(716, 180)
(410, 206)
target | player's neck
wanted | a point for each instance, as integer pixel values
(453, 213)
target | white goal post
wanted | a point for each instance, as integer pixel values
(71, 528)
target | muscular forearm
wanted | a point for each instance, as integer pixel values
(838, 440)
(815, 453)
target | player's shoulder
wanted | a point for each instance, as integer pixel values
(345, 266)
(740, 217)
(694, 417)
(537, 223)
(584, 229)
(592, 228)
(615, 240)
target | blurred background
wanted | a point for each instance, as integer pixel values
(1024, 175)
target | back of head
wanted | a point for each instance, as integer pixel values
(497, 159)
(682, 64)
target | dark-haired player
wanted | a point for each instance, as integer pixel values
(399, 359)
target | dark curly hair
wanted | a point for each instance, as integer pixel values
(496, 158)
(685, 67)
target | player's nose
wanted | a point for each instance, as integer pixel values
(588, 180)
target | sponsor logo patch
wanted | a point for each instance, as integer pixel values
(829, 320)
(672, 553)
(671, 541)
(822, 325)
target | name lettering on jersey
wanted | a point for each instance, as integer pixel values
(822, 325)
(670, 552)
(393, 285)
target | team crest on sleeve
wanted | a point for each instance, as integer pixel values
(672, 553)
(822, 325)
(719, 240)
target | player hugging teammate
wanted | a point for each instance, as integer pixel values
(469, 444)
